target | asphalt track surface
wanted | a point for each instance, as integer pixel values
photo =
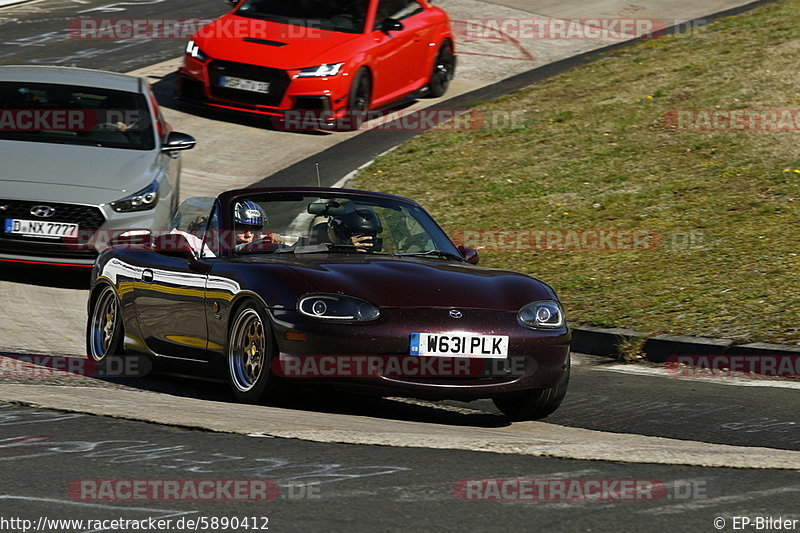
(333, 486)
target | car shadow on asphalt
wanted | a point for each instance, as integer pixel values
(72, 370)
(46, 276)
(164, 90)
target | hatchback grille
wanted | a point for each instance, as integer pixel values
(88, 218)
(278, 80)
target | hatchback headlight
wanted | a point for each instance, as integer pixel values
(546, 314)
(321, 71)
(141, 201)
(338, 307)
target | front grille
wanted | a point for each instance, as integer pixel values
(88, 218)
(278, 80)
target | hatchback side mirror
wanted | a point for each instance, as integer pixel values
(470, 254)
(178, 141)
(390, 25)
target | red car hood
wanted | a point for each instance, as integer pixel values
(225, 39)
(416, 282)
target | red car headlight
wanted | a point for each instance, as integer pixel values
(322, 71)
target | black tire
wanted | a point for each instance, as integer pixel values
(534, 404)
(104, 328)
(251, 347)
(444, 69)
(359, 101)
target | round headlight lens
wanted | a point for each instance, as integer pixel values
(338, 307)
(319, 307)
(546, 314)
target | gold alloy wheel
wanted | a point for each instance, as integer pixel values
(247, 354)
(104, 325)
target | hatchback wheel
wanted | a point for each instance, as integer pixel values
(358, 102)
(443, 71)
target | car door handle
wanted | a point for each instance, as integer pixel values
(147, 275)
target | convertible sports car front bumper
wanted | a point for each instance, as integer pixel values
(536, 358)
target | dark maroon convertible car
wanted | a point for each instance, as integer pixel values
(311, 286)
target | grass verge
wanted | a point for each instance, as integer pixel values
(600, 149)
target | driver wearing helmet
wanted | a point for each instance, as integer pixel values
(248, 224)
(358, 227)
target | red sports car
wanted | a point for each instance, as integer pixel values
(329, 58)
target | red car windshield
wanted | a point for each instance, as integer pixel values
(348, 16)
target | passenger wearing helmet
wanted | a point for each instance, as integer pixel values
(359, 226)
(248, 224)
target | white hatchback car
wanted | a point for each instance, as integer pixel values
(86, 156)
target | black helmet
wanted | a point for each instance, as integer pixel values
(356, 221)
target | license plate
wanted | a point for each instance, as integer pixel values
(38, 228)
(244, 85)
(460, 345)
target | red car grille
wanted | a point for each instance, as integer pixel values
(278, 80)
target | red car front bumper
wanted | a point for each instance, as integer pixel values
(289, 97)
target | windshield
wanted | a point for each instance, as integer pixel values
(348, 16)
(349, 223)
(68, 114)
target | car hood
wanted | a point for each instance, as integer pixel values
(66, 173)
(286, 53)
(422, 282)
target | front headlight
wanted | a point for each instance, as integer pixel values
(193, 49)
(141, 201)
(321, 71)
(546, 314)
(338, 307)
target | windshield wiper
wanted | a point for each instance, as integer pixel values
(438, 253)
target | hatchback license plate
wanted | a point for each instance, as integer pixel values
(244, 85)
(39, 228)
(460, 345)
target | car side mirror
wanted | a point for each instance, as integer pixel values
(232, 2)
(390, 25)
(174, 245)
(178, 141)
(470, 254)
